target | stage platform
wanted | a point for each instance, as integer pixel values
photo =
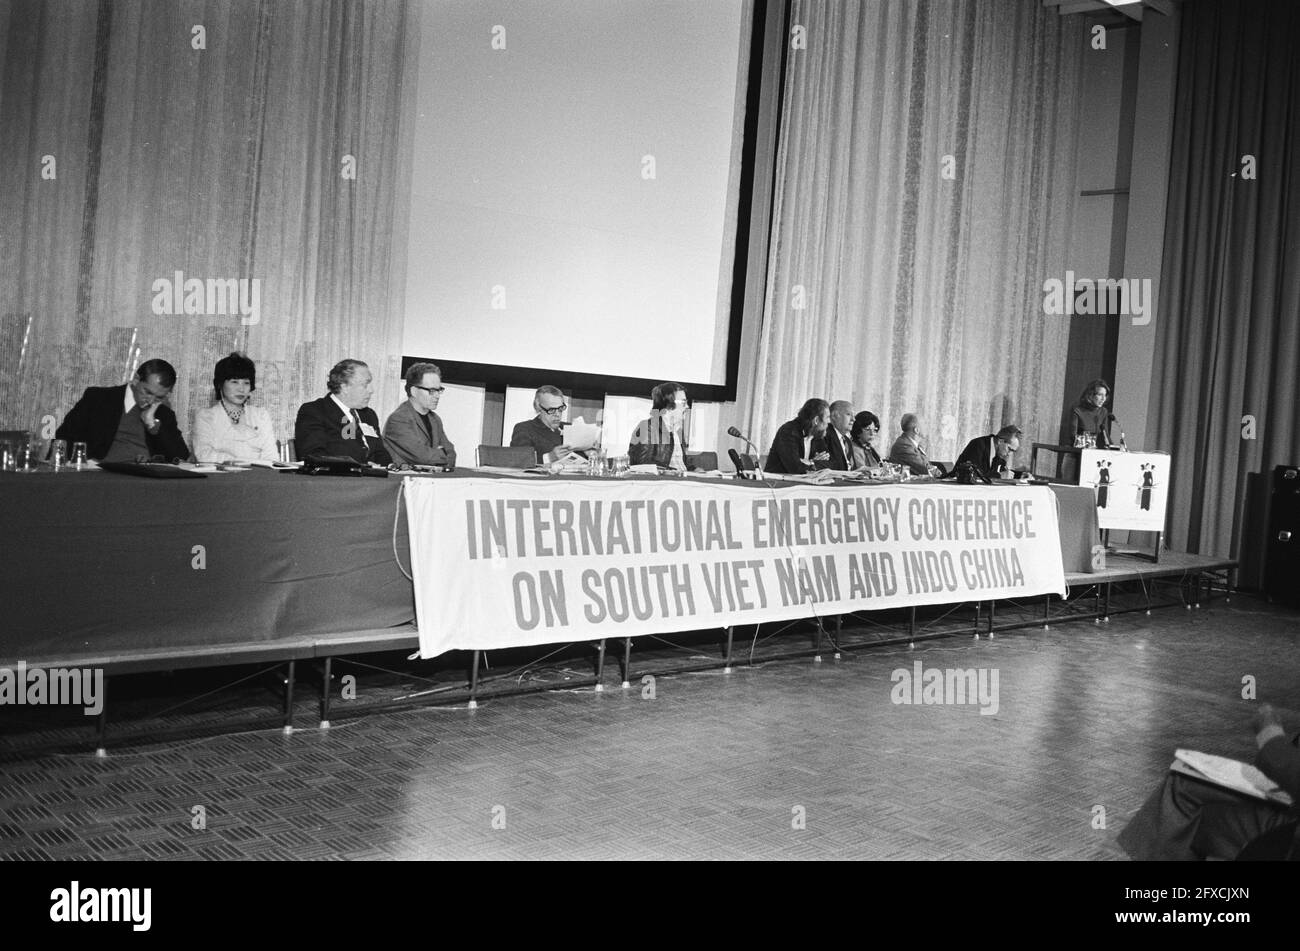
(1140, 583)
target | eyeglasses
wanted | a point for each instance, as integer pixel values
(555, 410)
(428, 389)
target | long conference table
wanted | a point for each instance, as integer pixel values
(105, 565)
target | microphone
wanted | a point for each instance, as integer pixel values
(733, 431)
(1111, 418)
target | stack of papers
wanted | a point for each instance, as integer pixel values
(1230, 774)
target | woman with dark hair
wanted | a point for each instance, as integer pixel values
(660, 439)
(865, 427)
(1090, 416)
(231, 429)
(800, 445)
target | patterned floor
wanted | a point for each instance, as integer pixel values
(790, 760)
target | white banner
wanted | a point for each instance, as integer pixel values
(1131, 487)
(508, 563)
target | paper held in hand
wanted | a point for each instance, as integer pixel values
(580, 435)
(1230, 774)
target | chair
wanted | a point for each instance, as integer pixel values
(747, 462)
(507, 457)
(701, 461)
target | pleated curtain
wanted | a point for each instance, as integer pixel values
(925, 185)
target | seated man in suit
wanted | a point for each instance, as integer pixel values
(839, 445)
(991, 455)
(1187, 819)
(341, 423)
(123, 423)
(660, 439)
(413, 433)
(542, 433)
(800, 445)
(908, 451)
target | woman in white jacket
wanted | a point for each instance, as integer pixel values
(232, 429)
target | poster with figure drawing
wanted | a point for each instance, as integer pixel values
(1131, 488)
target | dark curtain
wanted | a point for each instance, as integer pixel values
(1228, 334)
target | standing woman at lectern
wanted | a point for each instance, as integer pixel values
(1090, 416)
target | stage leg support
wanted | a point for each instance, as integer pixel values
(473, 681)
(627, 662)
(726, 664)
(600, 667)
(325, 696)
(287, 724)
(101, 725)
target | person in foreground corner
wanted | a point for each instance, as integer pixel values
(1090, 415)
(124, 423)
(413, 433)
(866, 425)
(1187, 819)
(991, 455)
(908, 451)
(341, 423)
(659, 439)
(543, 433)
(799, 445)
(232, 429)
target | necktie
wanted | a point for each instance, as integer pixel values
(356, 421)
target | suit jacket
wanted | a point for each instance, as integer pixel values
(865, 456)
(786, 454)
(835, 446)
(653, 442)
(978, 451)
(537, 436)
(906, 453)
(408, 440)
(319, 427)
(95, 418)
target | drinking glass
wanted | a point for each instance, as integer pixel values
(58, 453)
(28, 458)
(79, 455)
(8, 456)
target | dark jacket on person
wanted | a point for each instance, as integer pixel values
(978, 452)
(324, 428)
(786, 454)
(653, 442)
(536, 435)
(95, 418)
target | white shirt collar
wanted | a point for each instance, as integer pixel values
(347, 410)
(128, 402)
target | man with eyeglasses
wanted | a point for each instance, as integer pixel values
(543, 433)
(125, 423)
(414, 433)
